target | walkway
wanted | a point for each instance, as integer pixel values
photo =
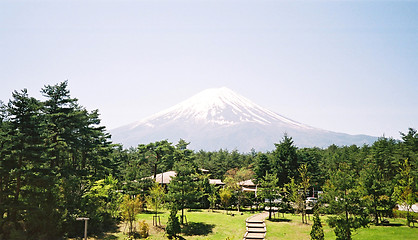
(256, 228)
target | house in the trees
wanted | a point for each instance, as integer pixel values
(248, 186)
(165, 178)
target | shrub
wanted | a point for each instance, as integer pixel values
(404, 214)
(143, 229)
(317, 233)
(173, 225)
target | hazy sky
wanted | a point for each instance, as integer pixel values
(346, 66)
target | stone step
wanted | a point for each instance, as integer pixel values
(254, 236)
(254, 221)
(256, 225)
(256, 230)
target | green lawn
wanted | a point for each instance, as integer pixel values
(218, 226)
(202, 224)
(290, 227)
(205, 225)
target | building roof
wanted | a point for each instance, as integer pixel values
(248, 183)
(164, 177)
(244, 189)
(216, 182)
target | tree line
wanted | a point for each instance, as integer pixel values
(57, 163)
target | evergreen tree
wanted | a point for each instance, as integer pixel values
(158, 154)
(375, 190)
(33, 187)
(7, 164)
(317, 233)
(269, 190)
(345, 201)
(77, 150)
(262, 165)
(173, 225)
(285, 161)
(183, 189)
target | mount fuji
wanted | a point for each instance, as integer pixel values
(220, 118)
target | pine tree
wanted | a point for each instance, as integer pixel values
(183, 189)
(269, 190)
(262, 165)
(285, 161)
(317, 233)
(173, 225)
(344, 199)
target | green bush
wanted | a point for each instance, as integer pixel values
(317, 233)
(403, 214)
(173, 225)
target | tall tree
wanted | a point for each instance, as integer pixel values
(234, 179)
(77, 149)
(158, 154)
(285, 161)
(156, 198)
(269, 190)
(344, 199)
(183, 189)
(304, 184)
(130, 208)
(225, 195)
(375, 190)
(33, 182)
(262, 165)
(7, 164)
(405, 191)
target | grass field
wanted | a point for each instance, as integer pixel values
(218, 226)
(290, 227)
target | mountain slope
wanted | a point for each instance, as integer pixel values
(221, 118)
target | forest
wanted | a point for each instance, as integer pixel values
(57, 163)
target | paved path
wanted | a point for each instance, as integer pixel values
(256, 228)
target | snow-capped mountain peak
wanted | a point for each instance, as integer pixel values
(220, 118)
(220, 106)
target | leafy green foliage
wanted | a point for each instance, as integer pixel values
(405, 193)
(130, 207)
(156, 197)
(304, 185)
(225, 194)
(233, 179)
(57, 164)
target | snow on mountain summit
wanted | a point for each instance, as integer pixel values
(220, 118)
(220, 106)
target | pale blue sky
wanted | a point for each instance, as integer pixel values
(345, 66)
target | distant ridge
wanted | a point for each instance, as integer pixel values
(220, 118)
